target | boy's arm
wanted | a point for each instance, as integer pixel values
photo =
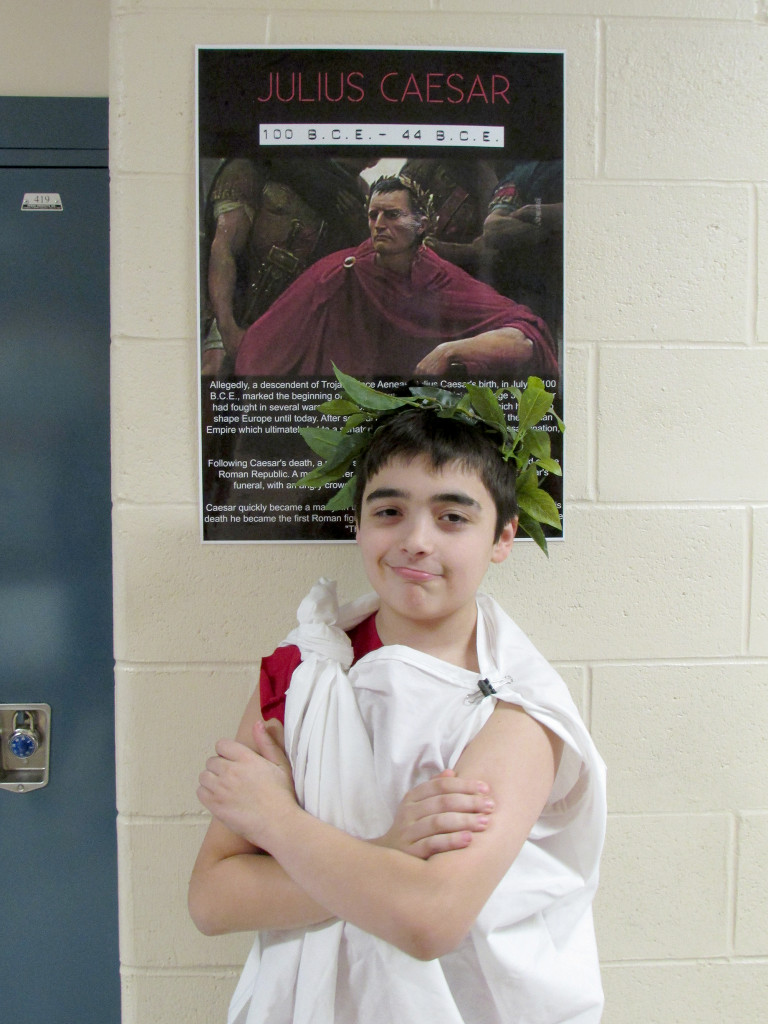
(236, 887)
(244, 891)
(424, 907)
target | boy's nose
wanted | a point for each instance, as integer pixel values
(417, 536)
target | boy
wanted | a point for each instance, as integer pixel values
(430, 676)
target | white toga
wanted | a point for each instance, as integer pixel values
(358, 739)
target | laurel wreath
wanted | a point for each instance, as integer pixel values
(365, 410)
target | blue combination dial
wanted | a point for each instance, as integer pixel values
(24, 741)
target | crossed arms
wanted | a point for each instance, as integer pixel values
(267, 863)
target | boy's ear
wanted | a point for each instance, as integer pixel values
(503, 545)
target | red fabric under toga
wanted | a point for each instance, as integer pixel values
(277, 668)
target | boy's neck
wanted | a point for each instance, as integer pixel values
(449, 640)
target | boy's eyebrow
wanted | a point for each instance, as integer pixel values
(454, 497)
(386, 492)
(457, 498)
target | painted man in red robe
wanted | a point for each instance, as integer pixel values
(392, 307)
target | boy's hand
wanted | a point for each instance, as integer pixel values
(242, 787)
(273, 744)
(439, 815)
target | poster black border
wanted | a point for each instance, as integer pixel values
(551, 146)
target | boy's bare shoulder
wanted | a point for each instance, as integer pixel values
(511, 738)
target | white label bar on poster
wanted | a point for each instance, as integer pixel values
(381, 135)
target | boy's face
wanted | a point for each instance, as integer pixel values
(427, 538)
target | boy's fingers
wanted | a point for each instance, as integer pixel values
(230, 750)
(274, 729)
(452, 803)
(430, 845)
(446, 783)
(449, 823)
(266, 744)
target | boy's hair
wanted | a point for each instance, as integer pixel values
(441, 441)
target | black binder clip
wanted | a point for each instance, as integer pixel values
(485, 689)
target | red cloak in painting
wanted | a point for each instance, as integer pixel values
(370, 321)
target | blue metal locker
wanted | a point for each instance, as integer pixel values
(58, 902)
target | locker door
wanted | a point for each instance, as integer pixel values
(59, 960)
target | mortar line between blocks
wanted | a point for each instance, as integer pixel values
(593, 435)
(731, 876)
(237, 667)
(725, 961)
(600, 98)
(126, 818)
(203, 970)
(749, 554)
(752, 267)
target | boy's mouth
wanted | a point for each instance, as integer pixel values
(407, 572)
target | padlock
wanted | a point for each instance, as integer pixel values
(24, 740)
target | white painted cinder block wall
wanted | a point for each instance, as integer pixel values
(656, 606)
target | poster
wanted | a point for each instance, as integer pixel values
(307, 258)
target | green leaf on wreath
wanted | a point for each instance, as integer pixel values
(435, 394)
(355, 420)
(322, 440)
(366, 397)
(338, 407)
(534, 405)
(527, 480)
(487, 407)
(540, 505)
(343, 498)
(550, 466)
(345, 454)
(341, 457)
(537, 444)
(534, 531)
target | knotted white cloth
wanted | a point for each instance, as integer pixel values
(358, 738)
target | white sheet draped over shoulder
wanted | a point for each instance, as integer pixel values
(359, 737)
